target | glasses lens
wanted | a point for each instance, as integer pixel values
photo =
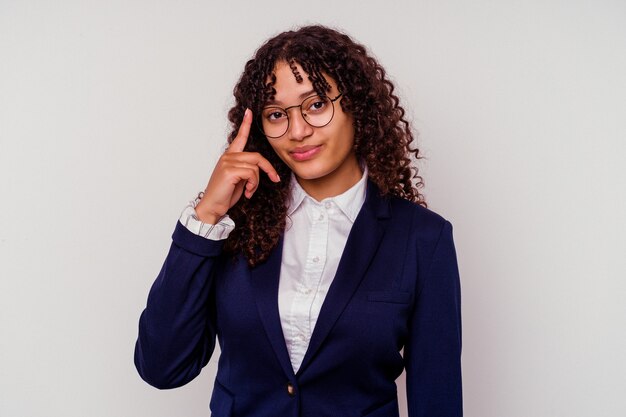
(274, 122)
(317, 110)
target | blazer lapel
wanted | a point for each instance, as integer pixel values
(264, 280)
(361, 246)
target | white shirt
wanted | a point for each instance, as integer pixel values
(314, 240)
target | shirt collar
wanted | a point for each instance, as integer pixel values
(349, 202)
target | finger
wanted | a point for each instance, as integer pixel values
(252, 184)
(241, 139)
(268, 168)
(257, 159)
(247, 175)
(244, 174)
(250, 189)
(245, 178)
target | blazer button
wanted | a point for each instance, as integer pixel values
(290, 389)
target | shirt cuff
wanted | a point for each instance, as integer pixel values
(220, 231)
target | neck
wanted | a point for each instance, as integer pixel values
(334, 183)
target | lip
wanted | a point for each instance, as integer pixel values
(304, 153)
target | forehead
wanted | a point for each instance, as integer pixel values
(292, 83)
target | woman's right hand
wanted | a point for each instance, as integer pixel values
(236, 172)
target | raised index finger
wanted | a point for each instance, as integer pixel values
(241, 139)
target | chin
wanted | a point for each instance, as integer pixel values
(312, 173)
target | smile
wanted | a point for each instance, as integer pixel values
(305, 153)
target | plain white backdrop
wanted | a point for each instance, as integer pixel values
(112, 114)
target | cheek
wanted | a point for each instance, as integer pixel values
(346, 129)
(346, 137)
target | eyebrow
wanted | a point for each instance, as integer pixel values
(302, 97)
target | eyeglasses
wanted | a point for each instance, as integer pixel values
(317, 110)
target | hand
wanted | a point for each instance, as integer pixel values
(236, 172)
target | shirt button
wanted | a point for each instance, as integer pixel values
(321, 217)
(316, 259)
(290, 389)
(327, 204)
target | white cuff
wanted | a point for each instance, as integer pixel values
(220, 231)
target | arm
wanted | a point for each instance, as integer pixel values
(177, 328)
(433, 352)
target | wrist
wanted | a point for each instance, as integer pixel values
(208, 218)
(205, 214)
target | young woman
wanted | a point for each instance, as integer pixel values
(311, 255)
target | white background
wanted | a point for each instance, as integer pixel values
(112, 114)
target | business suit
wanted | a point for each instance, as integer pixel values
(397, 285)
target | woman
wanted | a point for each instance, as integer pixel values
(311, 255)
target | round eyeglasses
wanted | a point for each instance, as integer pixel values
(317, 110)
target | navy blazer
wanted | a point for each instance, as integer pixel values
(397, 286)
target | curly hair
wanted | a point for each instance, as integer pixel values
(383, 137)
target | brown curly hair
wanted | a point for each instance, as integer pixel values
(383, 136)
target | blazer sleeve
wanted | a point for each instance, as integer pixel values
(433, 351)
(177, 328)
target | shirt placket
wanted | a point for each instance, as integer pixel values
(308, 285)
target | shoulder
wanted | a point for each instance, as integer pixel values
(426, 234)
(419, 218)
(406, 216)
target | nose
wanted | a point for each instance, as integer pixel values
(298, 127)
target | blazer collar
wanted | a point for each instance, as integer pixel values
(361, 246)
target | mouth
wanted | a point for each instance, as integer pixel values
(305, 153)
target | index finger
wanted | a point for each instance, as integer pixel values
(241, 139)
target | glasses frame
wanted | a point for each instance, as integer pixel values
(332, 103)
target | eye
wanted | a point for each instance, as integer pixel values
(274, 115)
(316, 104)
